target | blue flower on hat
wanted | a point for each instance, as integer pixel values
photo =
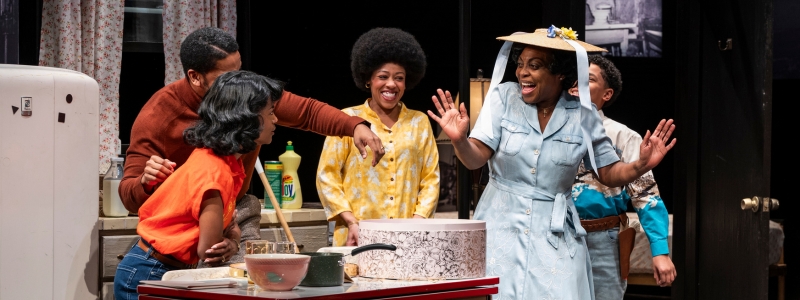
(552, 31)
(563, 32)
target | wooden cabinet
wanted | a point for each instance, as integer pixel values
(113, 248)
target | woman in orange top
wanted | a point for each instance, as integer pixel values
(187, 214)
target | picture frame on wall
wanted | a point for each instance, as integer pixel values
(626, 28)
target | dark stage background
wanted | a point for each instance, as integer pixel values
(786, 72)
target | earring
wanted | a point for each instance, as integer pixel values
(366, 85)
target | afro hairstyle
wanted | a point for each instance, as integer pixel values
(387, 45)
(610, 74)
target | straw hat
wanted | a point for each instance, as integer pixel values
(553, 40)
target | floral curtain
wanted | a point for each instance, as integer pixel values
(86, 36)
(181, 17)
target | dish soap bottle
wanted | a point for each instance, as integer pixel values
(290, 193)
(112, 204)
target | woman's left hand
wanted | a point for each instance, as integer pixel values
(223, 251)
(654, 146)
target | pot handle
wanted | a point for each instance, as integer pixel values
(377, 246)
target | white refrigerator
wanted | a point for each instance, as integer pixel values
(49, 160)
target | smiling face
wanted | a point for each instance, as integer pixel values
(268, 121)
(598, 87)
(539, 85)
(387, 85)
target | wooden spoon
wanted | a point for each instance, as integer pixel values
(268, 188)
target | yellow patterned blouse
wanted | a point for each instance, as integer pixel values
(404, 183)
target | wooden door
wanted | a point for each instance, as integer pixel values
(724, 108)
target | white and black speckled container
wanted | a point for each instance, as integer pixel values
(426, 249)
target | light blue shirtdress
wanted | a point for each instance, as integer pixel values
(535, 242)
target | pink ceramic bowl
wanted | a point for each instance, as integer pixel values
(276, 272)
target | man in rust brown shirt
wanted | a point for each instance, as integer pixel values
(157, 146)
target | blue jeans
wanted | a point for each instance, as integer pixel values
(137, 265)
(604, 253)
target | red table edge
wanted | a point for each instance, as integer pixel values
(454, 294)
(156, 291)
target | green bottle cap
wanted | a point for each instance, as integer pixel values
(289, 146)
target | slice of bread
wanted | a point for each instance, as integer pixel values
(351, 269)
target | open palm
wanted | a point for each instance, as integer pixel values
(654, 146)
(454, 121)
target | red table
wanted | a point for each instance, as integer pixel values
(362, 289)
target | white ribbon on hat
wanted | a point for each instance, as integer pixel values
(494, 93)
(583, 92)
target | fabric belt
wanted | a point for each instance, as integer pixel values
(562, 223)
(562, 216)
(604, 223)
(165, 259)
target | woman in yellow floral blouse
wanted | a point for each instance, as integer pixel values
(405, 184)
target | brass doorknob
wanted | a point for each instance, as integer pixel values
(750, 203)
(774, 204)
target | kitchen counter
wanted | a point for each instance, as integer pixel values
(362, 288)
(309, 227)
(268, 219)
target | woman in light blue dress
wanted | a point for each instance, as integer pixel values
(534, 135)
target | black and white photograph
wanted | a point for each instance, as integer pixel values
(630, 28)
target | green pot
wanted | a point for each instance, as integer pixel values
(327, 268)
(324, 269)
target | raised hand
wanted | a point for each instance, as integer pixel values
(654, 146)
(454, 121)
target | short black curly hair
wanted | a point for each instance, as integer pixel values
(559, 62)
(230, 113)
(387, 45)
(202, 48)
(611, 75)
